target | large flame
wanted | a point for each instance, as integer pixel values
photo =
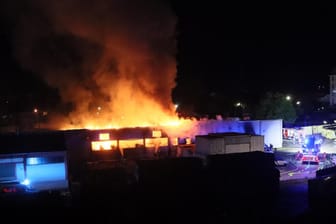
(112, 61)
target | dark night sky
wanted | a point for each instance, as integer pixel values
(228, 51)
(18, 86)
(243, 50)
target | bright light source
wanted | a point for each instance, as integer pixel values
(298, 102)
(35, 110)
(25, 182)
(325, 122)
(174, 141)
(156, 134)
(104, 136)
(33, 161)
(288, 97)
(188, 141)
(103, 145)
(99, 108)
(327, 178)
(176, 106)
(238, 104)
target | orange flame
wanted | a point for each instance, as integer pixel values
(150, 115)
(114, 69)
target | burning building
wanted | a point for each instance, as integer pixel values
(114, 66)
(112, 62)
(122, 140)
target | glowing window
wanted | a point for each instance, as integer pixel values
(104, 136)
(130, 143)
(156, 134)
(154, 142)
(33, 161)
(174, 141)
(103, 145)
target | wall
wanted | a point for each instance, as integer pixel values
(270, 129)
(228, 143)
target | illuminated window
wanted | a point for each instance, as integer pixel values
(156, 134)
(103, 145)
(104, 136)
(188, 141)
(174, 141)
(130, 143)
(154, 142)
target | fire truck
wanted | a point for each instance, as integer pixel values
(312, 144)
(311, 149)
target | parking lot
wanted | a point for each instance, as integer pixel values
(294, 168)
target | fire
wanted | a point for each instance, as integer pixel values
(130, 106)
(111, 69)
(126, 114)
(172, 124)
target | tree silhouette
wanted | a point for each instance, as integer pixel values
(275, 106)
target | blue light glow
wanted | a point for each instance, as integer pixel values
(306, 141)
(46, 172)
(33, 161)
(26, 182)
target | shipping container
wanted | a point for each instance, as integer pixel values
(270, 129)
(225, 143)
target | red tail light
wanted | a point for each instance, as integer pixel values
(9, 190)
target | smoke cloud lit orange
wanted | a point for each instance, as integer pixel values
(113, 62)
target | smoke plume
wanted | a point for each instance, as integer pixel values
(113, 61)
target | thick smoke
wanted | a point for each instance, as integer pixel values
(107, 58)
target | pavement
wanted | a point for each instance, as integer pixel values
(293, 204)
(328, 146)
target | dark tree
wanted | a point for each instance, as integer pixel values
(275, 105)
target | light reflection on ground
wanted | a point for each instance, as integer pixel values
(295, 169)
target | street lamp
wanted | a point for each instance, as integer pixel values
(36, 112)
(239, 109)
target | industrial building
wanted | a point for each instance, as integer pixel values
(33, 162)
(62, 160)
(224, 143)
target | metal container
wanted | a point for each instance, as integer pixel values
(225, 143)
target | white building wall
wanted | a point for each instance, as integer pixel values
(270, 129)
(272, 132)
